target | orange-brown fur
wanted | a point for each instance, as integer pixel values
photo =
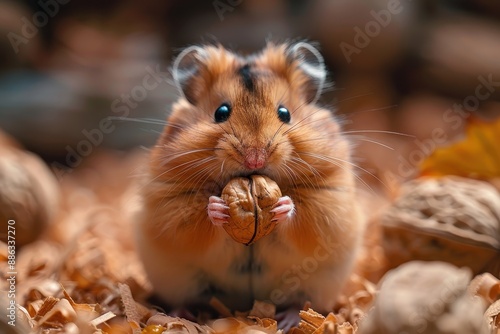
(184, 252)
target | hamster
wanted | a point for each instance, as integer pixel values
(237, 116)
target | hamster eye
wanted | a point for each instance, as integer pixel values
(222, 113)
(283, 114)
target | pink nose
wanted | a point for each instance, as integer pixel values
(255, 158)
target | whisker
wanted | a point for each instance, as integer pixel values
(178, 155)
(364, 170)
(289, 173)
(352, 97)
(362, 138)
(201, 178)
(303, 119)
(306, 180)
(192, 178)
(222, 165)
(328, 140)
(336, 162)
(177, 166)
(140, 120)
(194, 164)
(378, 131)
(311, 168)
(370, 110)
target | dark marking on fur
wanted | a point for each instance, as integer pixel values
(247, 76)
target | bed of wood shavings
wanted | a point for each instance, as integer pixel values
(83, 276)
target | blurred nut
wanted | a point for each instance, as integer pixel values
(425, 297)
(29, 194)
(250, 201)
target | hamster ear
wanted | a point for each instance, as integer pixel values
(185, 69)
(312, 65)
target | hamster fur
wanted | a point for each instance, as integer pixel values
(187, 255)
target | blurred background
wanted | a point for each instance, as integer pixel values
(420, 68)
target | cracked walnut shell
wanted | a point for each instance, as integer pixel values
(450, 219)
(250, 200)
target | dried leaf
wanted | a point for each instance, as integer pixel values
(477, 156)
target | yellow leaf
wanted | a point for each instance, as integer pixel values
(477, 156)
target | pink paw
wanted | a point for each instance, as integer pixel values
(217, 211)
(283, 209)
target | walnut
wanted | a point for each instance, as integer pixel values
(450, 219)
(250, 201)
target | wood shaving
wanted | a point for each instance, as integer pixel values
(262, 309)
(315, 323)
(222, 309)
(84, 277)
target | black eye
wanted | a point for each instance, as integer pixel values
(222, 113)
(283, 114)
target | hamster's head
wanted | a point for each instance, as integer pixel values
(247, 115)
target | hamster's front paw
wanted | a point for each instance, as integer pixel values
(218, 211)
(283, 209)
